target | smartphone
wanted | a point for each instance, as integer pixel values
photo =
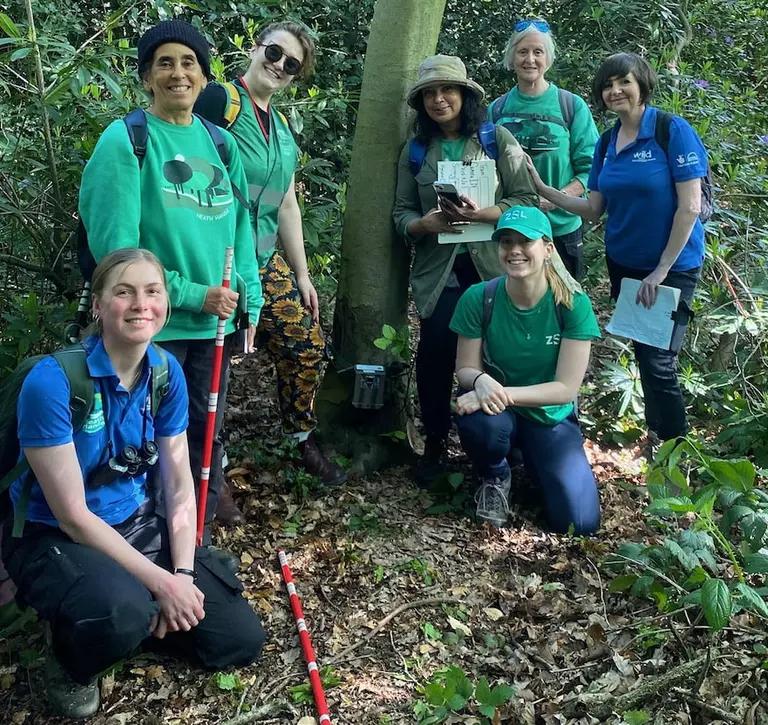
(447, 191)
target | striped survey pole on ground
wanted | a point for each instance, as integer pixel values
(213, 404)
(306, 644)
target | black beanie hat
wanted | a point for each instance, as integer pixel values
(174, 31)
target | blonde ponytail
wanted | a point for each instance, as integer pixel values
(560, 290)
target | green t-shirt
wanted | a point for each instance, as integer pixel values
(180, 206)
(453, 151)
(559, 155)
(523, 360)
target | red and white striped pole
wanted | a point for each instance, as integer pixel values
(306, 644)
(213, 404)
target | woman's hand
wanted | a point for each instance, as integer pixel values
(467, 404)
(646, 295)
(546, 205)
(181, 605)
(436, 221)
(220, 301)
(309, 296)
(537, 182)
(491, 395)
(467, 212)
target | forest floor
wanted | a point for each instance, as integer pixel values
(518, 605)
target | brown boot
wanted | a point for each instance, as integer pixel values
(227, 513)
(317, 464)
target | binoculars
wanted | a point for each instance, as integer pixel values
(131, 462)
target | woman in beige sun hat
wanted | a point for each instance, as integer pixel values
(449, 113)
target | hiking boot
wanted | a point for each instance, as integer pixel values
(492, 499)
(315, 463)
(226, 557)
(66, 697)
(227, 512)
(432, 464)
(651, 447)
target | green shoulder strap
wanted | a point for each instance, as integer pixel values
(159, 376)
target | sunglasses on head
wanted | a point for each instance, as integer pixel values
(540, 25)
(273, 52)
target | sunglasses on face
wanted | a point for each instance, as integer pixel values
(273, 52)
(540, 25)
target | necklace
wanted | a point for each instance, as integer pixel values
(520, 324)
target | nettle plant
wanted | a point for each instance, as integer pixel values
(450, 692)
(713, 551)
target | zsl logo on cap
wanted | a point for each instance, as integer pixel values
(517, 214)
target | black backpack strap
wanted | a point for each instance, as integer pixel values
(489, 295)
(138, 133)
(223, 150)
(661, 130)
(603, 143)
(559, 316)
(566, 106)
(159, 379)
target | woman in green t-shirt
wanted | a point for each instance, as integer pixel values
(449, 113)
(554, 126)
(524, 344)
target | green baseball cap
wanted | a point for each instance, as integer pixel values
(528, 220)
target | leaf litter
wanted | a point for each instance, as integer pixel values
(519, 606)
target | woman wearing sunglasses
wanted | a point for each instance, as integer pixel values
(449, 113)
(289, 326)
(554, 126)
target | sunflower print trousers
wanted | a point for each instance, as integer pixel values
(294, 343)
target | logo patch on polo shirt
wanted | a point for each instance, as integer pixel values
(689, 160)
(95, 421)
(642, 156)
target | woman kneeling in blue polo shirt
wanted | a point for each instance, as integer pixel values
(536, 342)
(653, 232)
(94, 560)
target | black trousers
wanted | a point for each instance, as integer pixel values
(571, 250)
(664, 404)
(99, 612)
(436, 354)
(196, 359)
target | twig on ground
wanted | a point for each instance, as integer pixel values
(602, 588)
(718, 712)
(344, 654)
(242, 700)
(679, 639)
(704, 670)
(260, 713)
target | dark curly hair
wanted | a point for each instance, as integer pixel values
(473, 113)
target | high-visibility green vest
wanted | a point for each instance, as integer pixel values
(269, 168)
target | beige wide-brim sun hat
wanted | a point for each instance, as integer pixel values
(443, 70)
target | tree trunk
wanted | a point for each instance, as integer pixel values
(373, 280)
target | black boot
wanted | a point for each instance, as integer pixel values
(432, 464)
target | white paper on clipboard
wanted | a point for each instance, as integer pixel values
(477, 180)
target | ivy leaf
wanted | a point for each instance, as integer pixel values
(751, 600)
(716, 602)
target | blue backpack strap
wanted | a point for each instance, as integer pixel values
(567, 109)
(138, 133)
(486, 135)
(417, 152)
(497, 107)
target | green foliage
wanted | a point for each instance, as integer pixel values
(713, 524)
(302, 694)
(452, 692)
(396, 341)
(227, 681)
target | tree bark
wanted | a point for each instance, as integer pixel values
(373, 279)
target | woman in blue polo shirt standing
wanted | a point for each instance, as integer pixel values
(652, 198)
(92, 558)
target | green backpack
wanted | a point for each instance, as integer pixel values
(72, 360)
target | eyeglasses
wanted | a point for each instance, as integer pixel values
(540, 25)
(273, 52)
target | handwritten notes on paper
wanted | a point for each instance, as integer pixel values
(477, 180)
(652, 326)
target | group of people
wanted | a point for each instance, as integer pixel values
(102, 538)
(510, 318)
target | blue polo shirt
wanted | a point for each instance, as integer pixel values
(45, 419)
(638, 185)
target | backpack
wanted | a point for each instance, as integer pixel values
(72, 360)
(486, 136)
(567, 110)
(661, 135)
(489, 296)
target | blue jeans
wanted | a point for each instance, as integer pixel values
(554, 459)
(664, 403)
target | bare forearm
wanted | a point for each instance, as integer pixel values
(181, 513)
(89, 530)
(533, 396)
(489, 215)
(467, 375)
(573, 204)
(573, 188)
(292, 238)
(682, 225)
